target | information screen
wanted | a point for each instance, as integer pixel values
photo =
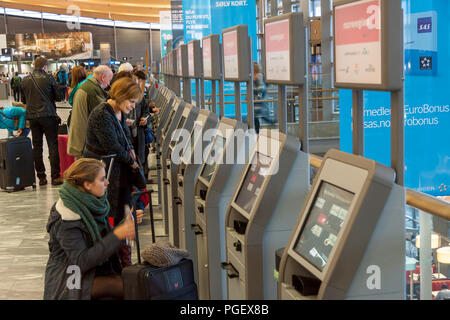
(191, 60)
(215, 153)
(230, 54)
(178, 132)
(251, 186)
(324, 221)
(179, 62)
(207, 67)
(278, 60)
(358, 43)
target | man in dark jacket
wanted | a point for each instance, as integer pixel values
(39, 93)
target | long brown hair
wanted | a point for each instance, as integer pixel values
(78, 75)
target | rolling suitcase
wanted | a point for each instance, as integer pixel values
(65, 159)
(16, 164)
(143, 281)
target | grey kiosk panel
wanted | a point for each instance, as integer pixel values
(236, 53)
(194, 58)
(261, 215)
(182, 61)
(165, 111)
(351, 224)
(166, 135)
(374, 47)
(214, 188)
(188, 169)
(284, 51)
(170, 168)
(173, 63)
(212, 57)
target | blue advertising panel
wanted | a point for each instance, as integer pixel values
(203, 17)
(227, 14)
(427, 102)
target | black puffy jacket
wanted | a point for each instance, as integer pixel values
(38, 105)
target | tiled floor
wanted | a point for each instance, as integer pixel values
(23, 244)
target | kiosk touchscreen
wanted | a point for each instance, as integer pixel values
(164, 117)
(166, 133)
(261, 214)
(349, 239)
(165, 104)
(214, 188)
(191, 161)
(177, 140)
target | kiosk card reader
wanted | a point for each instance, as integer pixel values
(191, 161)
(214, 188)
(261, 214)
(166, 133)
(348, 242)
(170, 169)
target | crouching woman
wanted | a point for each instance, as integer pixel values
(83, 263)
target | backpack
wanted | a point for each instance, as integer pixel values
(16, 82)
(62, 77)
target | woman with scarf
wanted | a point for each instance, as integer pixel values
(83, 263)
(107, 134)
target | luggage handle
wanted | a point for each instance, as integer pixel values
(111, 163)
(231, 271)
(134, 196)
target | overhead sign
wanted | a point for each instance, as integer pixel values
(5, 58)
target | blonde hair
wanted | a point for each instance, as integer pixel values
(83, 170)
(125, 89)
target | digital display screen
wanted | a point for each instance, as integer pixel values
(215, 153)
(324, 221)
(177, 132)
(254, 178)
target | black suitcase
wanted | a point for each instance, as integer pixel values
(16, 164)
(143, 281)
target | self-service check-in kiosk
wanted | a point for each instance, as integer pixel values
(190, 163)
(170, 168)
(165, 104)
(166, 133)
(214, 188)
(348, 242)
(261, 214)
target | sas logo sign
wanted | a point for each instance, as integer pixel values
(424, 25)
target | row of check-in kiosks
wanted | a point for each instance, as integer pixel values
(249, 196)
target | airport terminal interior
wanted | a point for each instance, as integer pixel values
(295, 150)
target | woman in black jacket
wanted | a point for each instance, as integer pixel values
(107, 134)
(83, 263)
